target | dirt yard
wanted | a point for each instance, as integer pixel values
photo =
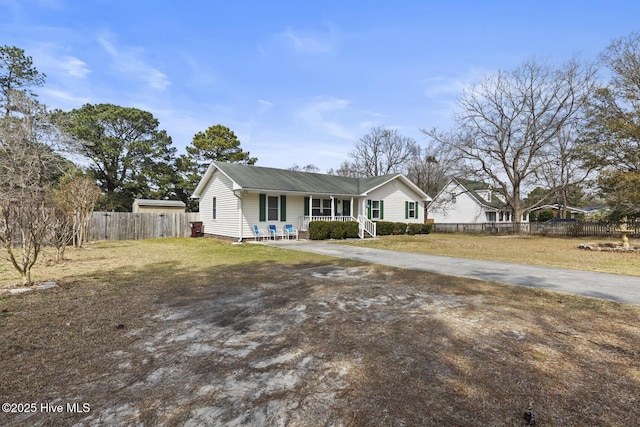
(310, 344)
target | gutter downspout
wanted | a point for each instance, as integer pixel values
(239, 196)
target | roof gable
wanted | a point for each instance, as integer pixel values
(477, 189)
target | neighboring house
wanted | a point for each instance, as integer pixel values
(587, 212)
(233, 198)
(158, 206)
(572, 212)
(463, 201)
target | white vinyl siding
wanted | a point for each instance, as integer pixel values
(251, 211)
(465, 209)
(226, 207)
(395, 194)
(454, 205)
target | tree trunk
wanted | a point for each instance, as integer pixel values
(516, 205)
(26, 277)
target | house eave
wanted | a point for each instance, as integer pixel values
(293, 192)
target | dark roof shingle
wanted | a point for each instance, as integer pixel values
(263, 178)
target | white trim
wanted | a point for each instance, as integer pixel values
(407, 181)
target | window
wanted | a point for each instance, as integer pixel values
(491, 216)
(272, 208)
(412, 209)
(321, 207)
(213, 208)
(375, 209)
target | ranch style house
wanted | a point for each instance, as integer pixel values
(233, 198)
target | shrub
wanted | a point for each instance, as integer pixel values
(414, 228)
(352, 228)
(337, 230)
(545, 216)
(385, 228)
(426, 228)
(319, 230)
(399, 228)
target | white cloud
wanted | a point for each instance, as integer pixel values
(311, 42)
(53, 60)
(317, 114)
(74, 66)
(61, 99)
(129, 61)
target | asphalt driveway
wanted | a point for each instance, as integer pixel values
(613, 287)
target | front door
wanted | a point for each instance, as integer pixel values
(346, 208)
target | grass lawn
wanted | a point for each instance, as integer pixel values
(534, 250)
(189, 332)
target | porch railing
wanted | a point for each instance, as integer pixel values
(305, 220)
(366, 225)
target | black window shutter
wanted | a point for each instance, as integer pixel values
(283, 208)
(263, 207)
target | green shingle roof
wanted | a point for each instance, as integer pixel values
(262, 178)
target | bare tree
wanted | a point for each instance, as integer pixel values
(382, 151)
(346, 168)
(563, 172)
(308, 168)
(60, 230)
(27, 166)
(434, 167)
(507, 121)
(76, 195)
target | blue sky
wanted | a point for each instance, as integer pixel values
(297, 81)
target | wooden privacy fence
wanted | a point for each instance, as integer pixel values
(540, 228)
(134, 226)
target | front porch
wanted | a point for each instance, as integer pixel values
(366, 226)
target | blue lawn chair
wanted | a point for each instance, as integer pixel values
(258, 234)
(290, 231)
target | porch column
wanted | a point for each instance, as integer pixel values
(351, 208)
(333, 208)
